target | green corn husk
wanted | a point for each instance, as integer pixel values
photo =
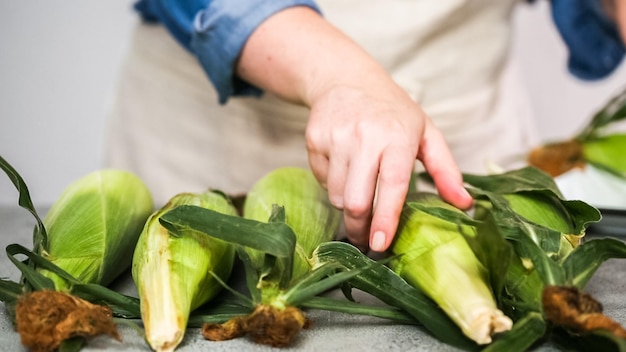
(307, 208)
(544, 228)
(552, 262)
(94, 225)
(607, 153)
(598, 145)
(287, 218)
(530, 241)
(529, 198)
(176, 274)
(548, 211)
(544, 210)
(435, 257)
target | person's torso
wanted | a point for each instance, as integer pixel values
(435, 49)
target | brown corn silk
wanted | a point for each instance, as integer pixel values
(558, 158)
(46, 318)
(576, 311)
(267, 325)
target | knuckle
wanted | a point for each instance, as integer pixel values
(392, 178)
(313, 139)
(357, 209)
(336, 201)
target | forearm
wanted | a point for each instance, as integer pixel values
(299, 56)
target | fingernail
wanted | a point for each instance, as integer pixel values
(467, 196)
(377, 242)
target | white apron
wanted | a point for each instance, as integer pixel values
(451, 56)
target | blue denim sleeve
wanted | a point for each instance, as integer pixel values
(215, 31)
(220, 32)
(593, 41)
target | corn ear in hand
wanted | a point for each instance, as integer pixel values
(94, 225)
(434, 256)
(174, 273)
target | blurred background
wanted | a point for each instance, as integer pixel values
(59, 62)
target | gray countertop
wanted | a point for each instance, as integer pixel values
(330, 331)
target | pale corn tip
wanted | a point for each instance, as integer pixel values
(487, 323)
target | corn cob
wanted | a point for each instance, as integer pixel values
(174, 273)
(307, 209)
(434, 256)
(94, 225)
(286, 215)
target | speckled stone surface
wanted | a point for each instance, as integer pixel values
(330, 331)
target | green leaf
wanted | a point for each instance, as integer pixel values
(308, 279)
(36, 280)
(281, 267)
(73, 344)
(252, 275)
(40, 238)
(613, 111)
(301, 293)
(343, 306)
(493, 251)
(9, 290)
(525, 332)
(217, 312)
(121, 305)
(531, 182)
(529, 241)
(239, 296)
(278, 214)
(274, 238)
(597, 340)
(9, 294)
(523, 291)
(445, 213)
(519, 180)
(585, 260)
(384, 284)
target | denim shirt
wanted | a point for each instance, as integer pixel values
(594, 43)
(215, 31)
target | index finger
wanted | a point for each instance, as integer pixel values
(439, 163)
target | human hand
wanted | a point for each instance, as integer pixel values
(364, 132)
(363, 148)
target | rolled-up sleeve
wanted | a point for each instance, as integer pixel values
(215, 31)
(593, 41)
(221, 31)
